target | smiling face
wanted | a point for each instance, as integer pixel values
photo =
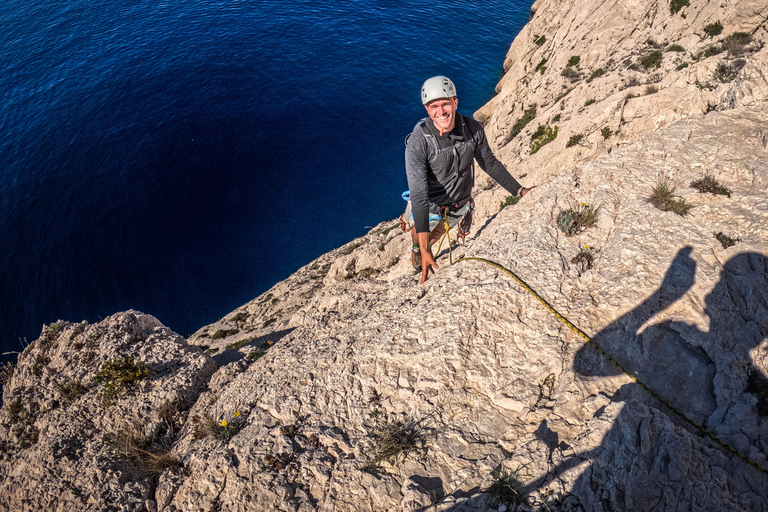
(442, 111)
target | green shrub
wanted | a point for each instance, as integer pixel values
(606, 133)
(725, 73)
(676, 5)
(574, 61)
(563, 94)
(674, 48)
(651, 89)
(714, 29)
(223, 333)
(735, 43)
(504, 491)
(269, 322)
(595, 74)
(509, 201)
(571, 74)
(681, 66)
(211, 351)
(575, 220)
(652, 60)
(538, 132)
(548, 136)
(708, 184)
(556, 119)
(242, 315)
(255, 355)
(663, 197)
(119, 375)
(589, 102)
(711, 50)
(725, 240)
(575, 139)
(527, 117)
(540, 66)
(540, 41)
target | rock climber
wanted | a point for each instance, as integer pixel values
(439, 164)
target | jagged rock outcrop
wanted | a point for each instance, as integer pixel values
(321, 379)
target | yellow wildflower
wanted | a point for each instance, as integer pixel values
(237, 414)
(223, 423)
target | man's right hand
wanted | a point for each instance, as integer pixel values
(427, 264)
(427, 261)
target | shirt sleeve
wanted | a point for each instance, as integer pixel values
(488, 162)
(417, 170)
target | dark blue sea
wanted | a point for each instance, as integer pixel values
(180, 157)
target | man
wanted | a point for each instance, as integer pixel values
(439, 164)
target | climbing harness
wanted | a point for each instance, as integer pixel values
(590, 341)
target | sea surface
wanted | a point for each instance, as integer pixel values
(181, 157)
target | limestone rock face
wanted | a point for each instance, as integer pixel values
(349, 387)
(60, 442)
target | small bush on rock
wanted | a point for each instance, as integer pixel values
(574, 61)
(504, 491)
(542, 140)
(521, 123)
(664, 198)
(584, 259)
(708, 184)
(119, 375)
(395, 438)
(725, 240)
(676, 5)
(575, 220)
(222, 430)
(596, 74)
(571, 74)
(652, 60)
(735, 43)
(540, 41)
(714, 29)
(606, 132)
(575, 139)
(509, 201)
(674, 48)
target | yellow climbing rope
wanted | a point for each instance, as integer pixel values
(590, 341)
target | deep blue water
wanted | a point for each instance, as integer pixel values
(180, 157)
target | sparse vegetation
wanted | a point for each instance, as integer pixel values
(563, 94)
(254, 355)
(606, 133)
(504, 491)
(395, 438)
(651, 89)
(540, 41)
(574, 61)
(211, 350)
(223, 333)
(542, 140)
(509, 201)
(575, 139)
(725, 240)
(119, 375)
(155, 456)
(575, 220)
(240, 316)
(596, 74)
(589, 102)
(238, 344)
(571, 74)
(652, 60)
(556, 119)
(222, 430)
(681, 66)
(69, 391)
(676, 5)
(735, 43)
(521, 123)
(584, 259)
(269, 322)
(674, 48)
(664, 198)
(540, 67)
(385, 232)
(711, 50)
(708, 184)
(713, 29)
(725, 73)
(6, 373)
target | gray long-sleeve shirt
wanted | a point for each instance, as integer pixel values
(440, 169)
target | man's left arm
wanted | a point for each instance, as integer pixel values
(491, 165)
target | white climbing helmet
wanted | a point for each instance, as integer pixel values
(437, 87)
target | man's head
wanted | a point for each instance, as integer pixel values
(438, 94)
